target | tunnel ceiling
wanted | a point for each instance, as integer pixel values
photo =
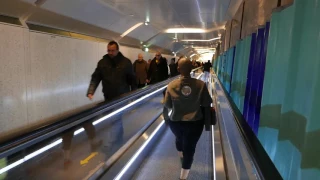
(120, 15)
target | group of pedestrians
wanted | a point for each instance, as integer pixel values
(185, 96)
(118, 76)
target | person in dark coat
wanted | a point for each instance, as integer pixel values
(117, 76)
(186, 97)
(158, 69)
(140, 68)
(206, 69)
(207, 66)
(173, 68)
(149, 61)
(116, 73)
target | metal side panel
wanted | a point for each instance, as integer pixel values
(219, 155)
(239, 163)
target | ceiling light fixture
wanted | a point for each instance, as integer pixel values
(131, 29)
(204, 48)
(201, 40)
(192, 55)
(192, 30)
(201, 47)
(185, 30)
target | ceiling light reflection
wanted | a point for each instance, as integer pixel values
(131, 29)
(201, 40)
(192, 55)
(185, 30)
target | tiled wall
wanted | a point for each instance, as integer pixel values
(13, 92)
(44, 76)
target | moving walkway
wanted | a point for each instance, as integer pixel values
(137, 144)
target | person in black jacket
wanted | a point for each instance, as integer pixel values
(158, 69)
(173, 68)
(206, 69)
(186, 97)
(117, 76)
(207, 66)
(116, 73)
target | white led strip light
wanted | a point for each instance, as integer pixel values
(57, 142)
(213, 148)
(126, 167)
(213, 153)
(131, 29)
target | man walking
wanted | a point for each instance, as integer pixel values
(140, 67)
(158, 70)
(116, 73)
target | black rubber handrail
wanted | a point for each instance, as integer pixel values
(25, 140)
(28, 139)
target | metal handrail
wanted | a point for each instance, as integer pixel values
(38, 135)
(243, 137)
(28, 139)
(218, 126)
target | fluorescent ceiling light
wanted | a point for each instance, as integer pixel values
(202, 40)
(192, 55)
(131, 29)
(185, 30)
(200, 52)
(207, 53)
(192, 30)
(204, 49)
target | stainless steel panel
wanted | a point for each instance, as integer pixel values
(256, 13)
(120, 15)
(238, 159)
(29, 1)
(14, 8)
(143, 33)
(91, 12)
